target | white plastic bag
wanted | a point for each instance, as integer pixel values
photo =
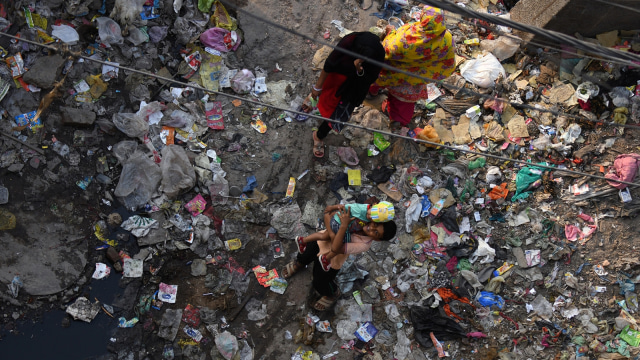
(482, 72)
(503, 48)
(484, 250)
(109, 31)
(65, 33)
(242, 82)
(413, 211)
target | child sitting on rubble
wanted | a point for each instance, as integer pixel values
(375, 222)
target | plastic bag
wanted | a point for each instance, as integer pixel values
(485, 251)
(132, 125)
(124, 149)
(242, 82)
(482, 72)
(139, 179)
(348, 155)
(65, 33)
(382, 174)
(493, 175)
(177, 173)
(413, 211)
(137, 36)
(227, 345)
(205, 5)
(157, 33)
(221, 18)
(219, 190)
(429, 133)
(503, 48)
(109, 31)
(620, 96)
(220, 39)
(179, 119)
(488, 299)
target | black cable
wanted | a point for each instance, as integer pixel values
(426, 142)
(553, 35)
(613, 3)
(550, 46)
(440, 82)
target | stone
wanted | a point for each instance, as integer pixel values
(520, 257)
(198, 267)
(77, 117)
(35, 162)
(15, 168)
(44, 71)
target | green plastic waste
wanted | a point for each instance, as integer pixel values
(463, 264)
(205, 5)
(477, 163)
(632, 337)
(449, 154)
(525, 177)
(469, 189)
(380, 142)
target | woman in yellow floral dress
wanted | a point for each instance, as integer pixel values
(424, 48)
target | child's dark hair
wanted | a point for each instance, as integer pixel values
(389, 230)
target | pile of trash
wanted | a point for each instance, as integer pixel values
(508, 214)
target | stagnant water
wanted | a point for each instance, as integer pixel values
(47, 339)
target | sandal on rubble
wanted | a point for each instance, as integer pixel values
(300, 244)
(324, 262)
(318, 146)
(324, 303)
(290, 269)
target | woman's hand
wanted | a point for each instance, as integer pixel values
(306, 105)
(315, 93)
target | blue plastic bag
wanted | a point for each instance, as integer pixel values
(426, 206)
(489, 299)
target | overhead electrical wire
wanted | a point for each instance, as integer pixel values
(66, 51)
(543, 45)
(553, 35)
(440, 82)
(613, 3)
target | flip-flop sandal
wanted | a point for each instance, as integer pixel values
(318, 147)
(300, 244)
(326, 264)
(324, 303)
(291, 269)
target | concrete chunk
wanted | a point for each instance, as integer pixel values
(79, 117)
(44, 72)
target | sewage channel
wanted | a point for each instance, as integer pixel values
(45, 338)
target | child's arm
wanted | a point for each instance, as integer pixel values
(327, 224)
(328, 215)
(333, 208)
(337, 246)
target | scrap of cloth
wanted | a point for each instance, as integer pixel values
(423, 48)
(626, 168)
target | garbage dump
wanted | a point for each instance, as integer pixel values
(483, 209)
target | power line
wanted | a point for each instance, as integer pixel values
(426, 142)
(440, 82)
(611, 3)
(553, 35)
(549, 46)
